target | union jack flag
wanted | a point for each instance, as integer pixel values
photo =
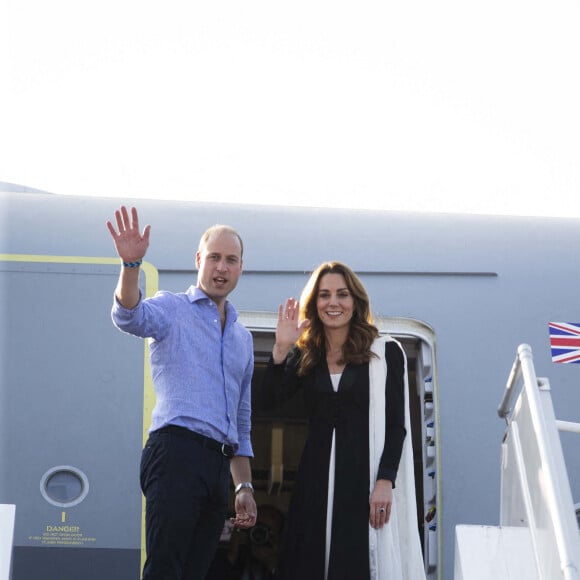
(565, 342)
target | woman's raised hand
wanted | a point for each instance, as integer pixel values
(288, 329)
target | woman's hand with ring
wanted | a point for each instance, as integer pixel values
(380, 503)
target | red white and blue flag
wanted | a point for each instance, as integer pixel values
(565, 342)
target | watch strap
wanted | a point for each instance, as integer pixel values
(244, 485)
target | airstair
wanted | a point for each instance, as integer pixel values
(7, 514)
(538, 536)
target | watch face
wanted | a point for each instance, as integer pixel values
(245, 485)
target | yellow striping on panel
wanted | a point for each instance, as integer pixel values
(151, 287)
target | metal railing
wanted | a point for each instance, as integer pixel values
(535, 485)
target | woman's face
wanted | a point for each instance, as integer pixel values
(334, 302)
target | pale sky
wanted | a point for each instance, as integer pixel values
(452, 105)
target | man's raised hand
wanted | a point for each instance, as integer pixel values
(130, 243)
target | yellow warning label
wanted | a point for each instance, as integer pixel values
(60, 535)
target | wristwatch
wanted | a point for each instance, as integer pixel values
(244, 485)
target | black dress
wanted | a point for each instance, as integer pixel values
(347, 411)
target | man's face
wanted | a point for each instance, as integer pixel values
(219, 264)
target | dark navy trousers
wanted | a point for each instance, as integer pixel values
(186, 487)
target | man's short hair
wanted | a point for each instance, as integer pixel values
(219, 228)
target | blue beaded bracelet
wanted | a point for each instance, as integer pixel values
(132, 264)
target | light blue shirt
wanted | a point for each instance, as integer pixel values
(201, 375)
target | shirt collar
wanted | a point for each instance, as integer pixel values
(195, 294)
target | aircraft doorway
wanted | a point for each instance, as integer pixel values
(278, 438)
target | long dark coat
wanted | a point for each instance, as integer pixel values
(347, 411)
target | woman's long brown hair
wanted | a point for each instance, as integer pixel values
(362, 331)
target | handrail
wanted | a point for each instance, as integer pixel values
(525, 489)
(568, 426)
(515, 373)
(524, 366)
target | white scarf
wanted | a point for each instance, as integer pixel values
(395, 549)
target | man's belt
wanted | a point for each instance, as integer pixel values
(223, 448)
